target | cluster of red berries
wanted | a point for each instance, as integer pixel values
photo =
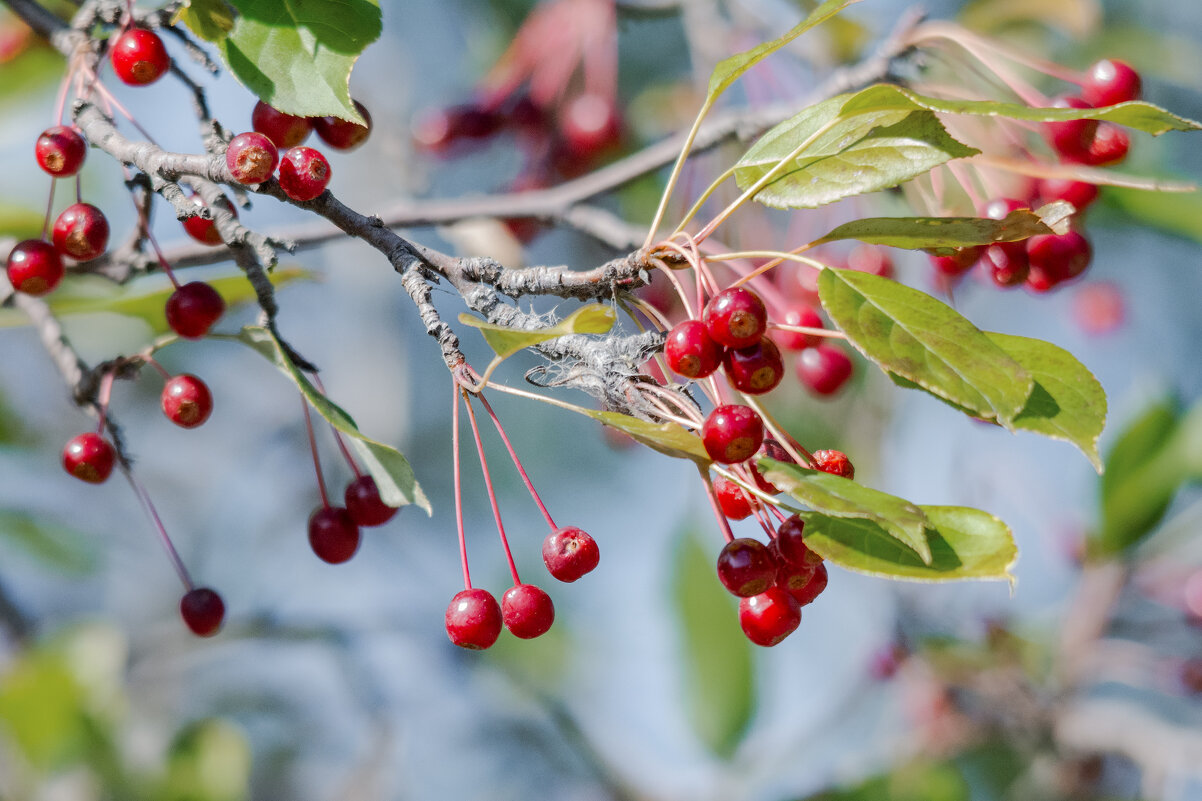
(334, 530)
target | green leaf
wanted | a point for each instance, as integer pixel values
(57, 546)
(667, 438)
(965, 544)
(1067, 402)
(921, 339)
(719, 675)
(1178, 214)
(394, 477)
(297, 55)
(211, 20)
(841, 497)
(946, 234)
(42, 709)
(729, 69)
(1077, 18)
(592, 319)
(209, 760)
(843, 154)
(144, 300)
(20, 222)
(1135, 114)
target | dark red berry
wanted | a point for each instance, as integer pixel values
(1110, 145)
(285, 130)
(824, 368)
(1080, 193)
(690, 351)
(333, 535)
(251, 158)
(201, 229)
(804, 317)
(139, 57)
(957, 263)
(569, 553)
(793, 577)
(735, 318)
(790, 543)
(1007, 263)
(186, 400)
(768, 618)
(304, 173)
(755, 369)
(203, 610)
(527, 611)
(364, 504)
(193, 308)
(746, 567)
(834, 462)
(773, 450)
(60, 151)
(81, 232)
(438, 129)
(1072, 138)
(734, 501)
(870, 259)
(474, 619)
(89, 457)
(589, 124)
(343, 134)
(813, 588)
(732, 433)
(34, 267)
(1111, 81)
(1055, 258)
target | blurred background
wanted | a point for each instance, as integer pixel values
(338, 682)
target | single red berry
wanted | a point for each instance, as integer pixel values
(1111, 81)
(1072, 138)
(1099, 308)
(773, 450)
(89, 457)
(804, 317)
(824, 368)
(732, 433)
(957, 263)
(1080, 193)
(304, 173)
(34, 267)
(202, 229)
(589, 124)
(193, 308)
(1007, 263)
(474, 619)
(139, 57)
(755, 369)
(792, 577)
(285, 130)
(186, 400)
(735, 317)
(746, 567)
(1055, 258)
(343, 134)
(870, 259)
(1110, 145)
(60, 151)
(436, 130)
(333, 535)
(834, 462)
(251, 158)
(790, 543)
(812, 588)
(569, 553)
(734, 501)
(527, 611)
(364, 505)
(203, 610)
(81, 232)
(690, 351)
(769, 617)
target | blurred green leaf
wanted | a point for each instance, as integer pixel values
(20, 222)
(41, 709)
(1077, 18)
(209, 760)
(13, 431)
(917, 781)
(211, 20)
(946, 234)
(56, 546)
(1179, 214)
(32, 72)
(718, 665)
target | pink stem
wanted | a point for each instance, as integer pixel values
(467, 576)
(709, 491)
(346, 454)
(161, 530)
(516, 462)
(321, 484)
(492, 496)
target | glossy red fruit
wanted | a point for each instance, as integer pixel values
(834, 462)
(527, 611)
(773, 450)
(805, 317)
(1007, 263)
(812, 588)
(746, 567)
(1055, 258)
(364, 505)
(735, 318)
(768, 618)
(343, 134)
(285, 130)
(1080, 193)
(193, 308)
(89, 457)
(333, 535)
(733, 500)
(790, 543)
(201, 229)
(958, 263)
(34, 267)
(1071, 138)
(81, 232)
(690, 351)
(570, 553)
(870, 259)
(186, 400)
(304, 173)
(824, 369)
(792, 577)
(203, 611)
(732, 433)
(1110, 145)
(756, 369)
(251, 158)
(60, 151)
(474, 619)
(139, 57)
(589, 124)
(1111, 81)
